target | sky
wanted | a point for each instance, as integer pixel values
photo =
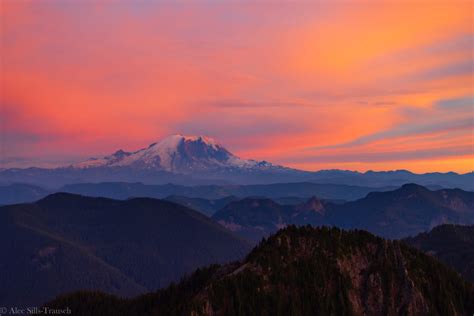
(356, 85)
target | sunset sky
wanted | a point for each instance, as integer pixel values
(353, 85)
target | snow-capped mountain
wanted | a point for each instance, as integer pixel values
(198, 160)
(178, 154)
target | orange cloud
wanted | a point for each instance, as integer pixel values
(272, 82)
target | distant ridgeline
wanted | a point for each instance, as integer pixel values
(403, 212)
(21, 193)
(198, 160)
(255, 211)
(303, 271)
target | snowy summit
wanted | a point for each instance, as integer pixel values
(179, 154)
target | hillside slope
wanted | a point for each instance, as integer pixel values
(68, 242)
(255, 218)
(21, 193)
(406, 211)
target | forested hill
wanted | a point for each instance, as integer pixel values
(66, 242)
(304, 271)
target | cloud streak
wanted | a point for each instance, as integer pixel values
(388, 156)
(407, 130)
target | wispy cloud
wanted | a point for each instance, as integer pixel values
(456, 104)
(384, 156)
(461, 68)
(405, 130)
(240, 104)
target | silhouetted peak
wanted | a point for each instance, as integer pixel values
(61, 196)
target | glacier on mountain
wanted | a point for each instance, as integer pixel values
(178, 153)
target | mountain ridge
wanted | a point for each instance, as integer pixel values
(406, 211)
(398, 213)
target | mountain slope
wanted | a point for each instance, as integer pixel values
(68, 242)
(255, 218)
(41, 265)
(180, 154)
(451, 244)
(21, 193)
(406, 211)
(304, 271)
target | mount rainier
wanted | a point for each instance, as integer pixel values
(179, 154)
(198, 160)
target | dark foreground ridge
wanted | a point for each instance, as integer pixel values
(303, 271)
